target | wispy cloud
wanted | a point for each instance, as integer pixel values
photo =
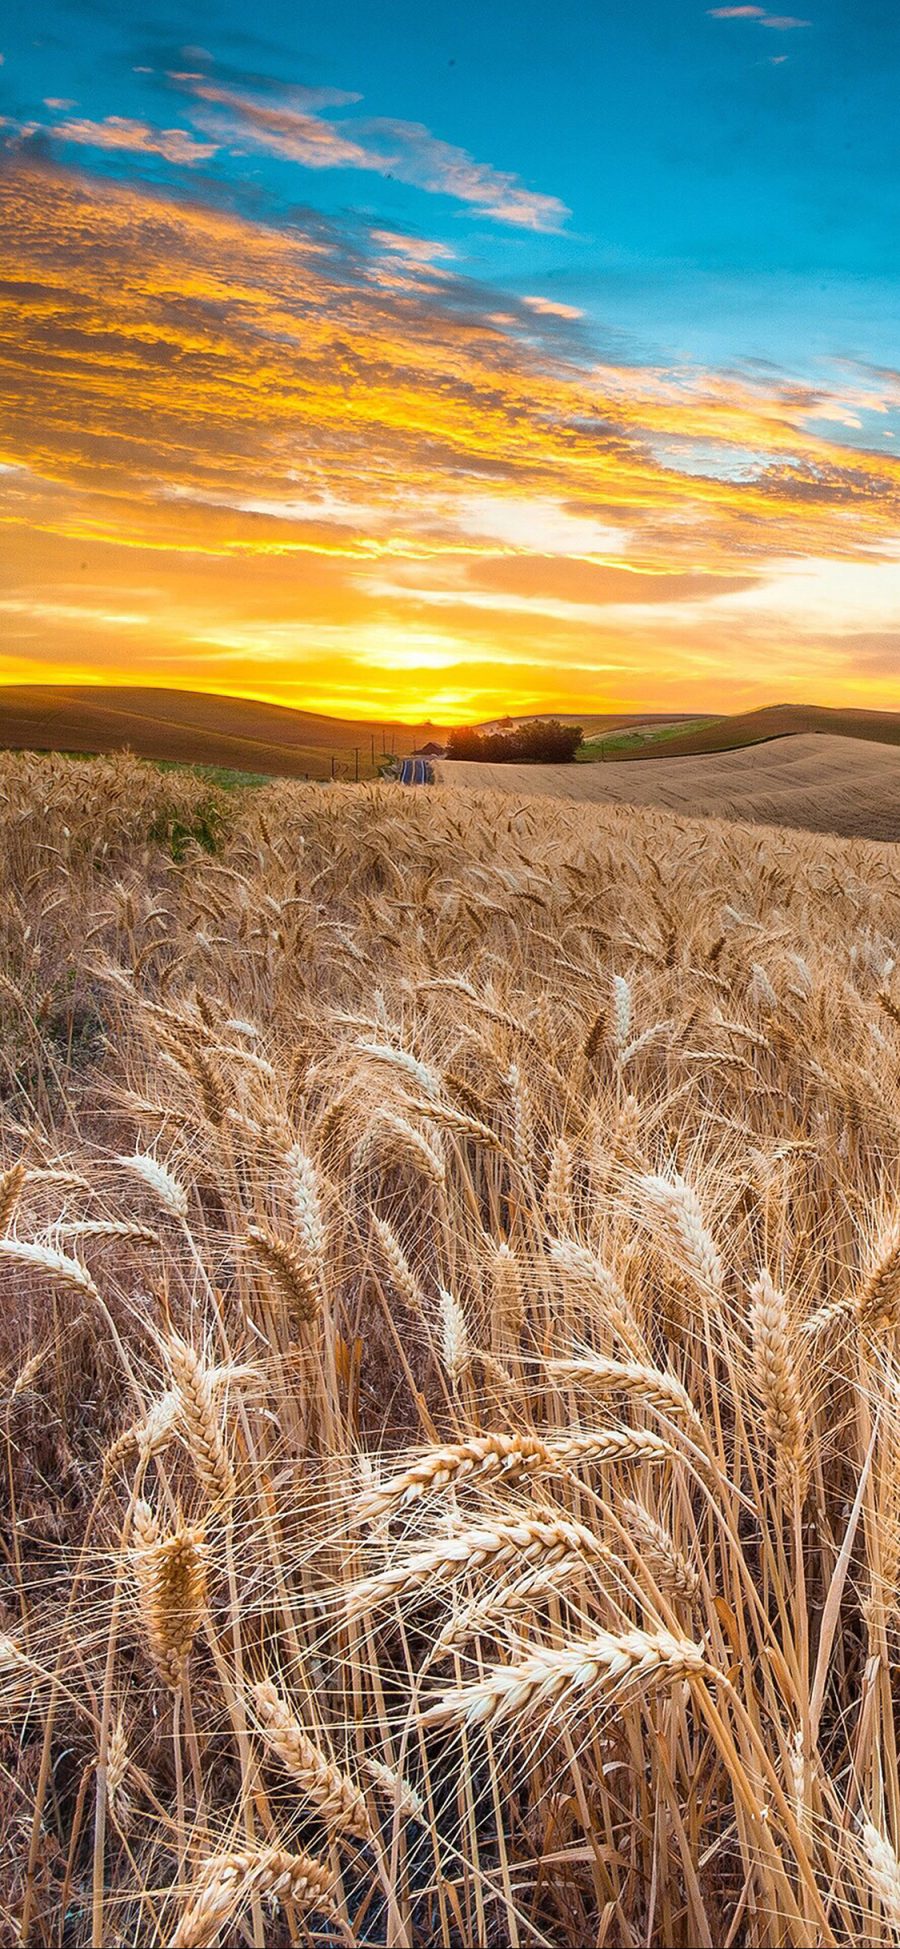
(299, 130)
(138, 138)
(781, 22)
(418, 250)
(552, 308)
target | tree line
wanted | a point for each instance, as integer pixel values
(542, 741)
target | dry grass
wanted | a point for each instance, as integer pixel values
(450, 1372)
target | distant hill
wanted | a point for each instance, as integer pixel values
(774, 721)
(199, 727)
(195, 727)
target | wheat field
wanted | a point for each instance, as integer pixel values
(450, 1249)
(817, 782)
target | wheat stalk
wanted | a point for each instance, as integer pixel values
(506, 1282)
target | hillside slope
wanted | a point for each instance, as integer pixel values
(778, 721)
(820, 784)
(195, 727)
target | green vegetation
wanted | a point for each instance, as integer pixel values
(222, 776)
(621, 743)
(209, 817)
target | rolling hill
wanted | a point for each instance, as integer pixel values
(197, 727)
(200, 727)
(819, 783)
(773, 721)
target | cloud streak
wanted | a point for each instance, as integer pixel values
(782, 23)
(299, 130)
(137, 138)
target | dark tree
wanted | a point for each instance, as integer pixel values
(543, 741)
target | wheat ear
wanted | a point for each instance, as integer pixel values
(481, 1455)
(336, 1799)
(11, 1183)
(680, 1209)
(490, 1546)
(524, 1594)
(116, 1772)
(208, 1452)
(884, 1872)
(878, 1300)
(775, 1356)
(604, 1666)
(650, 1386)
(164, 1185)
(290, 1267)
(399, 1268)
(455, 1344)
(65, 1272)
(665, 1561)
(110, 1228)
(226, 1883)
(170, 1572)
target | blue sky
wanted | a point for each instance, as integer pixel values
(732, 187)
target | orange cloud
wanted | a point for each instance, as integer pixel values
(118, 132)
(551, 308)
(232, 459)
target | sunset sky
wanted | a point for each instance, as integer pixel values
(439, 359)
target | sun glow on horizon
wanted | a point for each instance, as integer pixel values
(318, 464)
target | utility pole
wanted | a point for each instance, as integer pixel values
(356, 773)
(332, 764)
(373, 751)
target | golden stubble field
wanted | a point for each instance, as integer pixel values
(816, 782)
(451, 1286)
